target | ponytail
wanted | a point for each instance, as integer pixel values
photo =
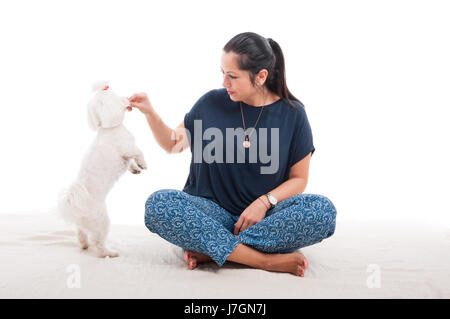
(276, 81)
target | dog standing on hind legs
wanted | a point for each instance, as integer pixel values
(110, 155)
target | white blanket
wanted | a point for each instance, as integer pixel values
(40, 258)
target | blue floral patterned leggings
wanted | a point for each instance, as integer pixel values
(199, 224)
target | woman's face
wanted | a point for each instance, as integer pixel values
(237, 82)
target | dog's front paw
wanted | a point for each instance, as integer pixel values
(133, 167)
(142, 164)
(135, 170)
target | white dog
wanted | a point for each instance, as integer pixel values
(111, 154)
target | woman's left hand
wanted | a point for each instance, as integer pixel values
(253, 214)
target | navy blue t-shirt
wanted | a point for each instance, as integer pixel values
(226, 172)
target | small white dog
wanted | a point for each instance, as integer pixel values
(111, 154)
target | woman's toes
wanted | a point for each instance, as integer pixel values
(192, 263)
(301, 272)
(187, 256)
(305, 263)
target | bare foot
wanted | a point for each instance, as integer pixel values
(294, 263)
(193, 258)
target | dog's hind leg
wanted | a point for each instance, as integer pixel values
(98, 236)
(83, 239)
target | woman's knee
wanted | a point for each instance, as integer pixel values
(156, 206)
(324, 209)
(329, 214)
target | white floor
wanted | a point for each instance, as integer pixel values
(40, 258)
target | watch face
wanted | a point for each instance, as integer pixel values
(272, 199)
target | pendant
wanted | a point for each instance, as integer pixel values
(246, 144)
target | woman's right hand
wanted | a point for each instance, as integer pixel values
(141, 102)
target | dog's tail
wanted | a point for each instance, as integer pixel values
(73, 202)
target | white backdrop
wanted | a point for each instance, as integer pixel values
(374, 76)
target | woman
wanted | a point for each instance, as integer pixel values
(250, 210)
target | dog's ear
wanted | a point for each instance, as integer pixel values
(93, 119)
(105, 109)
(111, 110)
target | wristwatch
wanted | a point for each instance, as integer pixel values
(272, 200)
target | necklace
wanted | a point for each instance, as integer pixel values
(246, 142)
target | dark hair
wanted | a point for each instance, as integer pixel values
(256, 53)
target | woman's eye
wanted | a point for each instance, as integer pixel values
(233, 77)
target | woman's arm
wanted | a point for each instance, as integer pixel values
(172, 141)
(296, 184)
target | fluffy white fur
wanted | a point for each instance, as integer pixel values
(111, 154)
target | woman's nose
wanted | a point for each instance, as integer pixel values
(225, 82)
